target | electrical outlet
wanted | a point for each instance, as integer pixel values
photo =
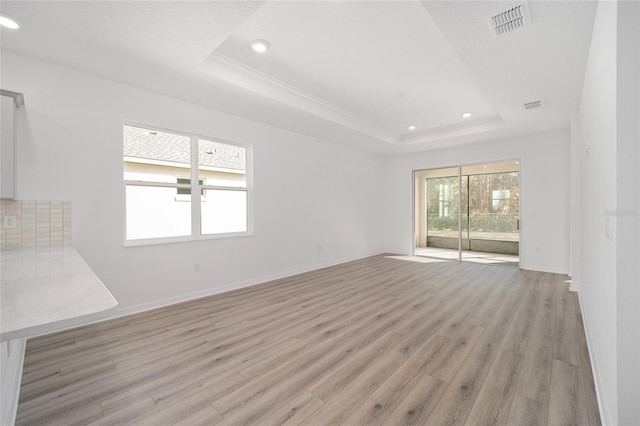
(9, 222)
(196, 267)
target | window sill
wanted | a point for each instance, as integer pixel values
(186, 239)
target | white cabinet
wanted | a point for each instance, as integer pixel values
(11, 362)
(10, 102)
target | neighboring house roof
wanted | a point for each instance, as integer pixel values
(160, 146)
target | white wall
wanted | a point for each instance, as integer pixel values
(316, 203)
(598, 194)
(7, 148)
(544, 188)
(628, 211)
(610, 200)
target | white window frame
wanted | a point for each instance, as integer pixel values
(196, 188)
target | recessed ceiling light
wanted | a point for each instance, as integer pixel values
(8, 23)
(466, 114)
(517, 162)
(260, 46)
(411, 127)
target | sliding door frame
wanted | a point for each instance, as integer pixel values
(459, 166)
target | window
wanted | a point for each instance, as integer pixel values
(444, 199)
(500, 199)
(182, 187)
(187, 191)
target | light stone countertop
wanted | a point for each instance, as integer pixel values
(46, 289)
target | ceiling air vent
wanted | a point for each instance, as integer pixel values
(509, 20)
(532, 105)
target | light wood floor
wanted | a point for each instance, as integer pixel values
(383, 340)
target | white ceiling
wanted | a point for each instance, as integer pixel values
(351, 72)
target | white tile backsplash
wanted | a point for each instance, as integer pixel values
(38, 223)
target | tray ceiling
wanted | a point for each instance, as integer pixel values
(357, 73)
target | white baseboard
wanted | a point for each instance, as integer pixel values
(575, 286)
(602, 408)
(234, 286)
(550, 270)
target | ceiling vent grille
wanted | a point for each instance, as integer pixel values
(532, 105)
(509, 20)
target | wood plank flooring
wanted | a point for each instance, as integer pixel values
(383, 340)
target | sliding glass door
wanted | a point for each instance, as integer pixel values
(437, 218)
(469, 212)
